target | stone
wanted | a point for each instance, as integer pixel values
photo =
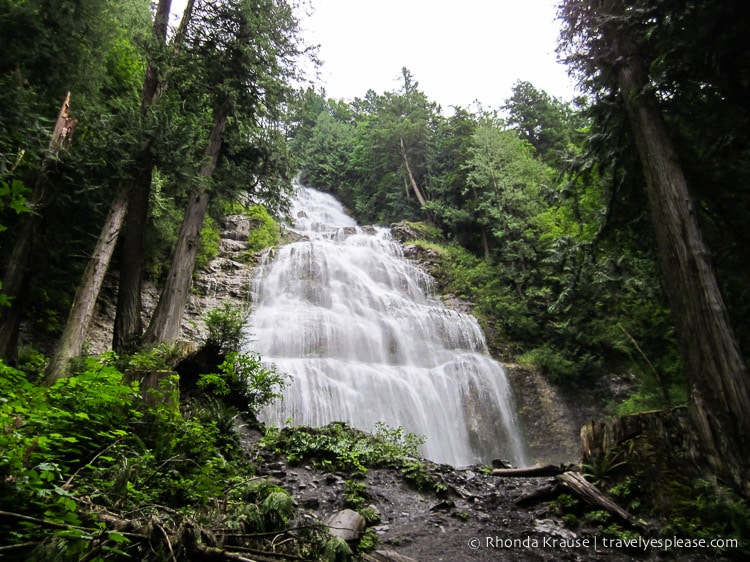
(346, 524)
(386, 556)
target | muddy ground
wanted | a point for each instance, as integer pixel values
(478, 517)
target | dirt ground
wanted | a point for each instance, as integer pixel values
(479, 517)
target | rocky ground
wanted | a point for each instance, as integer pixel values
(479, 517)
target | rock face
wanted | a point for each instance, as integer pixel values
(551, 420)
(227, 278)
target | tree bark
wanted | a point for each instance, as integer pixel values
(715, 368)
(167, 319)
(128, 326)
(73, 337)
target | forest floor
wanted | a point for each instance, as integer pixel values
(479, 517)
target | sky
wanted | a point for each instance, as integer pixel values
(458, 51)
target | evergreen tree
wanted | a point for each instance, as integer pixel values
(613, 46)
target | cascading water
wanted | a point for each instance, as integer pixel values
(357, 327)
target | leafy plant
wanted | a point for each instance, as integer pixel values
(245, 374)
(264, 232)
(225, 327)
(158, 358)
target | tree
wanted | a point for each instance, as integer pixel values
(607, 43)
(505, 183)
(541, 120)
(241, 56)
(86, 48)
(71, 342)
(128, 326)
(448, 153)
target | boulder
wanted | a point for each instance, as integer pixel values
(346, 524)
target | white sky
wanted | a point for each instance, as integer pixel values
(458, 51)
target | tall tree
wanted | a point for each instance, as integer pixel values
(242, 56)
(128, 326)
(50, 47)
(608, 42)
(541, 120)
(18, 268)
(504, 184)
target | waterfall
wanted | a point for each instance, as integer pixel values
(365, 340)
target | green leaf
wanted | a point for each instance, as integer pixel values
(114, 536)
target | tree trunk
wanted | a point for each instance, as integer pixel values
(167, 318)
(18, 269)
(73, 337)
(128, 326)
(715, 368)
(534, 471)
(414, 186)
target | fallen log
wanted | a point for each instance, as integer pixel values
(535, 471)
(582, 488)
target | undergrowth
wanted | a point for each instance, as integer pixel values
(90, 471)
(337, 446)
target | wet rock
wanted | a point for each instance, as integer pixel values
(386, 556)
(236, 227)
(346, 524)
(310, 503)
(553, 528)
(445, 505)
(404, 232)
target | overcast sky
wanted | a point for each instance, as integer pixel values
(458, 51)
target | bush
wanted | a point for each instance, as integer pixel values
(208, 248)
(266, 232)
(225, 326)
(245, 374)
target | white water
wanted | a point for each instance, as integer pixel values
(357, 327)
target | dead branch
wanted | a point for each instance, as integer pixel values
(582, 488)
(534, 471)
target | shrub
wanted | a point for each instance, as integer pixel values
(225, 327)
(245, 373)
(208, 247)
(266, 231)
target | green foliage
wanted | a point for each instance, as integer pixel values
(159, 358)
(355, 494)
(208, 248)
(336, 550)
(339, 447)
(246, 374)
(225, 327)
(551, 362)
(13, 195)
(264, 231)
(90, 439)
(368, 541)
(602, 468)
